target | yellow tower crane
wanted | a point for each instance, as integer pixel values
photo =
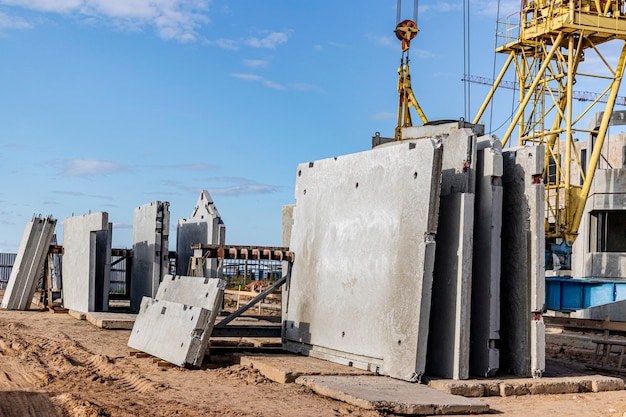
(546, 43)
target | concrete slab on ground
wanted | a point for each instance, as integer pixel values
(287, 368)
(171, 331)
(528, 386)
(391, 395)
(112, 321)
(78, 315)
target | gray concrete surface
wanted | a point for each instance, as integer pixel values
(28, 263)
(616, 312)
(204, 226)
(285, 369)
(389, 395)
(174, 332)
(449, 334)
(82, 274)
(522, 272)
(529, 386)
(363, 234)
(150, 250)
(485, 310)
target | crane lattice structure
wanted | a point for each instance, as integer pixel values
(546, 43)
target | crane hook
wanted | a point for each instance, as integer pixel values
(406, 31)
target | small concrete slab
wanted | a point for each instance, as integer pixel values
(112, 321)
(78, 315)
(529, 386)
(391, 395)
(286, 369)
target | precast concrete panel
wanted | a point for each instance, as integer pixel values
(448, 340)
(363, 238)
(150, 250)
(449, 335)
(485, 315)
(28, 263)
(79, 269)
(205, 226)
(194, 291)
(522, 272)
(172, 331)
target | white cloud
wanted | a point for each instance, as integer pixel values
(270, 41)
(262, 80)
(248, 77)
(13, 22)
(172, 19)
(305, 87)
(385, 115)
(222, 43)
(90, 167)
(244, 189)
(256, 63)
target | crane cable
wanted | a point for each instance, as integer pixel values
(466, 57)
(493, 70)
(399, 11)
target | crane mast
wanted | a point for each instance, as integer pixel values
(545, 44)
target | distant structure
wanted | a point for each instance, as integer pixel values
(205, 226)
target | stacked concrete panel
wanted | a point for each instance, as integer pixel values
(485, 315)
(176, 326)
(150, 250)
(449, 334)
(28, 264)
(205, 226)
(87, 249)
(523, 256)
(363, 231)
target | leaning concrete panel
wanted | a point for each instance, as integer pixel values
(522, 279)
(485, 323)
(171, 331)
(363, 235)
(28, 263)
(449, 335)
(150, 250)
(79, 269)
(194, 291)
(205, 226)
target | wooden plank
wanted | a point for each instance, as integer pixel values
(586, 324)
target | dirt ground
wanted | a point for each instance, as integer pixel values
(53, 365)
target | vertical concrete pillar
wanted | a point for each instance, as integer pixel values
(523, 258)
(150, 250)
(485, 316)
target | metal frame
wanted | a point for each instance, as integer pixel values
(545, 47)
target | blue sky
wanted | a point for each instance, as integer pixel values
(106, 105)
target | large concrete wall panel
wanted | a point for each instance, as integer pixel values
(363, 235)
(150, 250)
(523, 255)
(485, 315)
(205, 226)
(79, 268)
(28, 263)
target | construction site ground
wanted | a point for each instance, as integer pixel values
(54, 365)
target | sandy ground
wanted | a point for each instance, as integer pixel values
(53, 365)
